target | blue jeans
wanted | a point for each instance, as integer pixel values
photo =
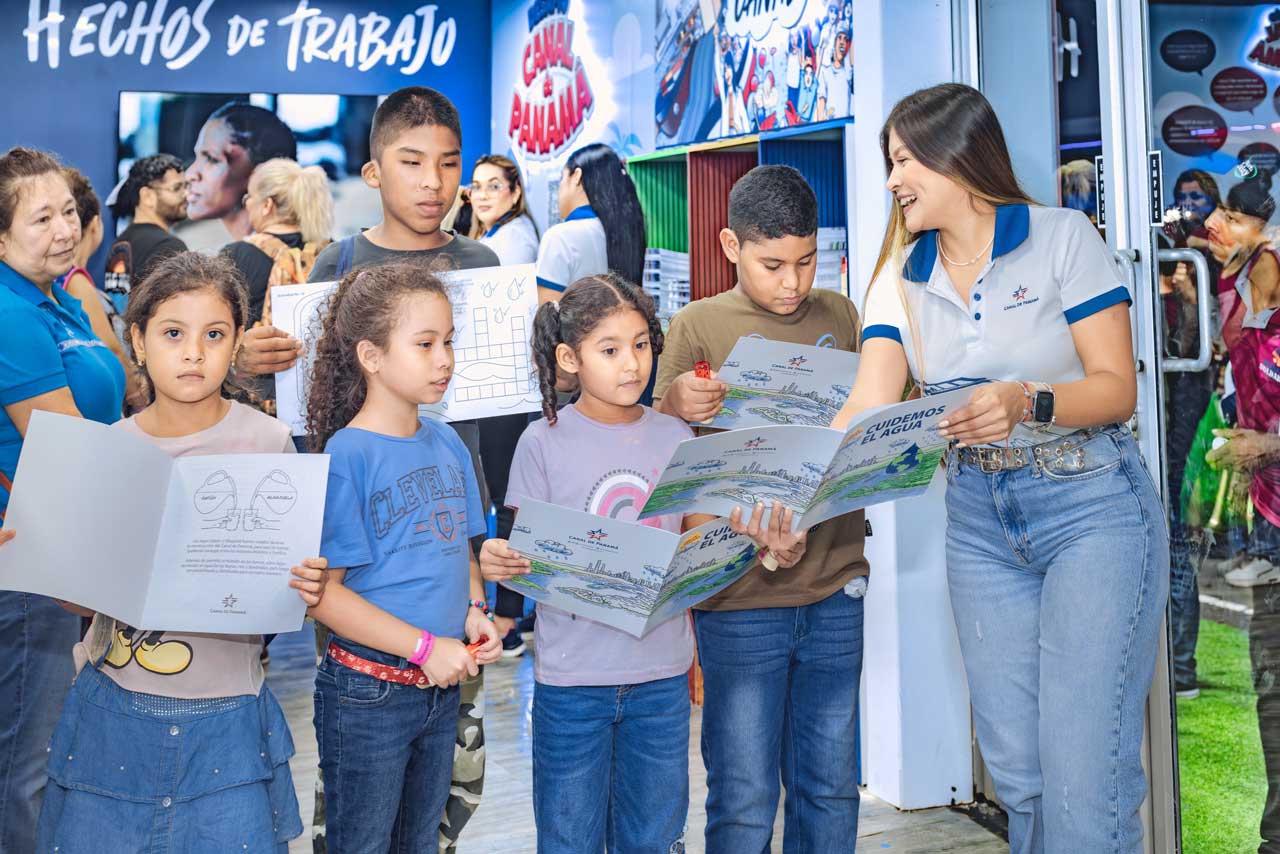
(386, 756)
(1264, 540)
(1186, 397)
(780, 693)
(1058, 579)
(36, 672)
(1186, 552)
(611, 767)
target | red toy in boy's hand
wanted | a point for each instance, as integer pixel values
(474, 648)
(702, 370)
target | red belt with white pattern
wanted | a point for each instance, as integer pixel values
(400, 675)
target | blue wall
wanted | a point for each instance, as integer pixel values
(71, 108)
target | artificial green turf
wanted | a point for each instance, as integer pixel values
(1223, 781)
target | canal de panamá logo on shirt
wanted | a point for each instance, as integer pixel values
(1021, 297)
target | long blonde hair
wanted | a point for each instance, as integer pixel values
(300, 195)
(950, 129)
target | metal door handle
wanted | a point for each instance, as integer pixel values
(1203, 311)
(1126, 261)
(1068, 46)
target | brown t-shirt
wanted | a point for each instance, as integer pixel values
(706, 330)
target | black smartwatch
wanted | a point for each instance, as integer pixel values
(1042, 406)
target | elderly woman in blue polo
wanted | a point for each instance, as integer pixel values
(1057, 551)
(51, 360)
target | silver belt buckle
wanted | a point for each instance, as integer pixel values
(990, 460)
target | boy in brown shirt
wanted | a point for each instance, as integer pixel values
(781, 652)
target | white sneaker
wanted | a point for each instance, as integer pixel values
(1254, 573)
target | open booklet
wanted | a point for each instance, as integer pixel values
(493, 373)
(107, 520)
(891, 452)
(773, 382)
(623, 574)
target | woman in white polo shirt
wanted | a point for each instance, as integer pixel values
(602, 228)
(500, 211)
(1057, 551)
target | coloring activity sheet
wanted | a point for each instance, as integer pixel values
(623, 574)
(493, 374)
(773, 382)
(186, 544)
(891, 452)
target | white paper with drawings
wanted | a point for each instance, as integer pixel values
(493, 309)
(193, 544)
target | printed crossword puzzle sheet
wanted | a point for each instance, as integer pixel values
(493, 310)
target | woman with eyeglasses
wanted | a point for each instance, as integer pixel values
(500, 216)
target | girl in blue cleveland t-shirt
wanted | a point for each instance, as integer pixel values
(401, 505)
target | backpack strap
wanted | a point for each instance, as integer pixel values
(346, 256)
(268, 244)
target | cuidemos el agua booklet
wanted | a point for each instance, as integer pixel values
(624, 574)
(634, 577)
(776, 383)
(891, 452)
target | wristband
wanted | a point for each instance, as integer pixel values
(422, 651)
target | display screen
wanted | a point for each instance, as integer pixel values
(219, 142)
(742, 68)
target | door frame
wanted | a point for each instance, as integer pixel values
(1124, 80)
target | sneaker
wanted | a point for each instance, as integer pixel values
(1254, 573)
(525, 626)
(512, 645)
(1187, 692)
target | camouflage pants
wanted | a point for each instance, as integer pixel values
(468, 764)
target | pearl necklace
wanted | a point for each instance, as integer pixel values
(953, 262)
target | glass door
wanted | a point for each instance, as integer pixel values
(1190, 147)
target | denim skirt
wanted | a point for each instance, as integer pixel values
(132, 772)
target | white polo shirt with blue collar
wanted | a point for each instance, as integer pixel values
(572, 249)
(515, 241)
(1049, 268)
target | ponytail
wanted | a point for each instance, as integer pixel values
(312, 204)
(301, 196)
(546, 339)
